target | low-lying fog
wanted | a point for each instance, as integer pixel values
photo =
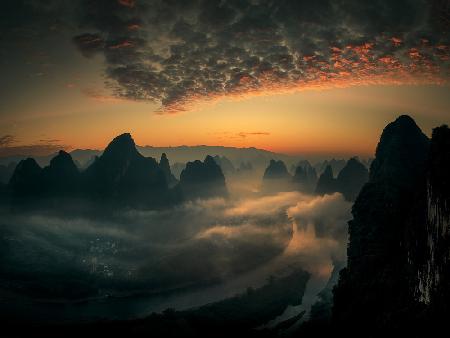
(145, 261)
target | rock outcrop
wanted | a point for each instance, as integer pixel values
(351, 179)
(61, 176)
(165, 167)
(276, 177)
(123, 175)
(26, 179)
(305, 177)
(397, 277)
(203, 180)
(326, 183)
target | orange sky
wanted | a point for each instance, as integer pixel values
(268, 84)
(345, 121)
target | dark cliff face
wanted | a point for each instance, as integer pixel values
(377, 288)
(305, 177)
(431, 251)
(61, 176)
(326, 183)
(124, 175)
(165, 167)
(351, 179)
(25, 181)
(400, 154)
(203, 180)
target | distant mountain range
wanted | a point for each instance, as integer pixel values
(242, 158)
(183, 154)
(119, 176)
(349, 181)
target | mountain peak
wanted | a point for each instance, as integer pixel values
(203, 179)
(352, 178)
(401, 151)
(165, 167)
(122, 144)
(277, 170)
(62, 157)
(328, 172)
(326, 183)
(405, 119)
(124, 138)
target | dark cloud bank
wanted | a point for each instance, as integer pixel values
(178, 52)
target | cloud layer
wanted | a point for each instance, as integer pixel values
(8, 147)
(153, 252)
(180, 52)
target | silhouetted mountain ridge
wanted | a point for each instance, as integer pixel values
(393, 252)
(120, 176)
(203, 179)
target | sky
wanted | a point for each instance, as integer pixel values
(297, 77)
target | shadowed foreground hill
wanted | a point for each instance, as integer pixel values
(240, 315)
(393, 240)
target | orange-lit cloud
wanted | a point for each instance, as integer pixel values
(7, 140)
(255, 133)
(99, 95)
(42, 147)
(241, 135)
(352, 66)
(126, 3)
(209, 51)
(122, 44)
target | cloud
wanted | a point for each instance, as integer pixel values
(41, 148)
(126, 3)
(266, 205)
(49, 140)
(256, 133)
(99, 95)
(240, 135)
(180, 53)
(328, 214)
(192, 245)
(7, 140)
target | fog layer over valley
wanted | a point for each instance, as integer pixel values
(134, 262)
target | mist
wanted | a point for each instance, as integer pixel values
(189, 255)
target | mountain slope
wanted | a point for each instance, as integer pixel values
(378, 287)
(121, 173)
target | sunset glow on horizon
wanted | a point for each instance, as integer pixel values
(259, 82)
(329, 122)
